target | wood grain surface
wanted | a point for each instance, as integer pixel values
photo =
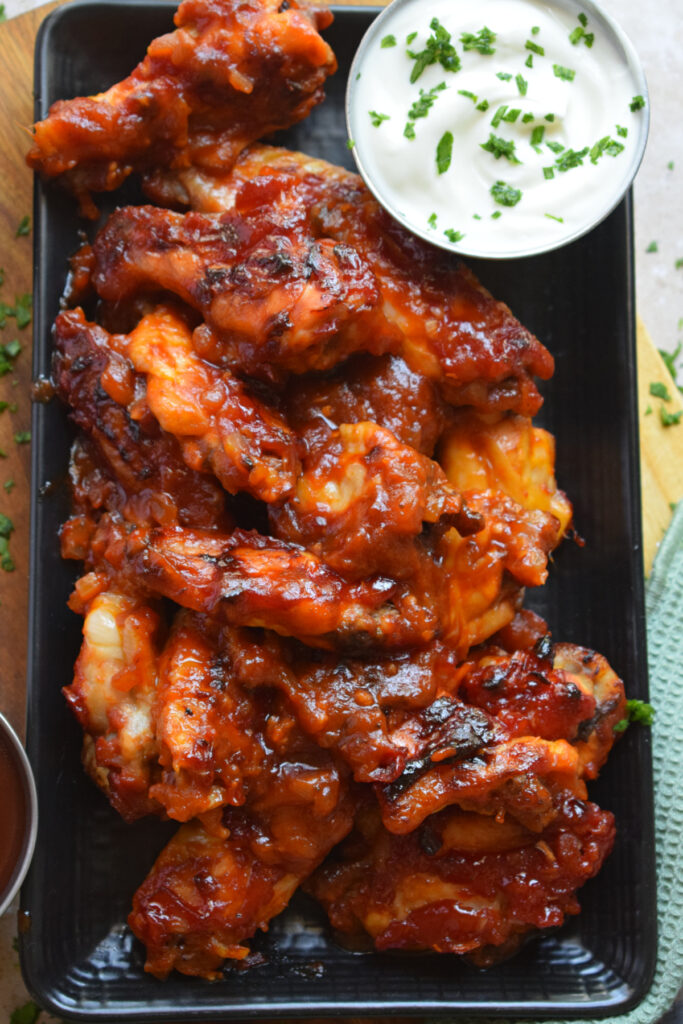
(661, 446)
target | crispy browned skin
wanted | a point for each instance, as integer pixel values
(433, 310)
(153, 374)
(462, 881)
(232, 71)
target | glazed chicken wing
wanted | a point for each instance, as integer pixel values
(433, 311)
(462, 883)
(231, 72)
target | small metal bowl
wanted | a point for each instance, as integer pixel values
(382, 26)
(11, 741)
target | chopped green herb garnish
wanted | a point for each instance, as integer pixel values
(566, 74)
(659, 390)
(3, 406)
(535, 30)
(505, 194)
(469, 95)
(409, 130)
(438, 49)
(8, 353)
(621, 131)
(537, 135)
(551, 216)
(421, 107)
(22, 437)
(548, 173)
(3, 15)
(388, 41)
(679, 263)
(652, 247)
(571, 158)
(432, 220)
(2, 276)
(637, 103)
(669, 358)
(26, 1014)
(6, 563)
(23, 305)
(483, 41)
(549, 117)
(413, 35)
(670, 164)
(496, 214)
(636, 711)
(476, 216)
(500, 147)
(498, 116)
(453, 236)
(534, 47)
(605, 145)
(575, 36)
(669, 419)
(583, 18)
(483, 106)
(504, 76)
(444, 152)
(512, 115)
(648, 411)
(8, 485)
(522, 84)
(377, 118)
(529, 62)
(24, 226)
(589, 39)
(358, 76)
(556, 147)
(527, 118)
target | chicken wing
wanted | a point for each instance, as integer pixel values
(230, 73)
(462, 883)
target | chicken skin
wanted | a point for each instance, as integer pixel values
(231, 72)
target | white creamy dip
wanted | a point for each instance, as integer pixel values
(518, 149)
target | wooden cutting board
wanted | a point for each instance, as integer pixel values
(661, 448)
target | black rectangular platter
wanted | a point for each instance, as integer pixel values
(78, 957)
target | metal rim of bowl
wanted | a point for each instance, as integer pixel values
(31, 829)
(589, 7)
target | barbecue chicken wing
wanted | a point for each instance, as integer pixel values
(462, 883)
(432, 310)
(231, 72)
(153, 374)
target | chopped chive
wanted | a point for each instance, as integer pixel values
(522, 84)
(377, 119)
(679, 263)
(432, 220)
(637, 103)
(350, 143)
(565, 74)
(621, 131)
(583, 18)
(549, 117)
(505, 194)
(500, 147)
(453, 236)
(483, 106)
(438, 49)
(575, 36)
(556, 147)
(529, 62)
(548, 173)
(413, 35)
(483, 41)
(527, 118)
(670, 165)
(444, 152)
(476, 216)
(388, 41)
(537, 135)
(496, 214)
(512, 115)
(504, 76)
(469, 95)
(551, 216)
(534, 47)
(24, 226)
(535, 30)
(409, 130)
(571, 158)
(498, 116)
(652, 247)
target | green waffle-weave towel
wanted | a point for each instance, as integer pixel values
(664, 610)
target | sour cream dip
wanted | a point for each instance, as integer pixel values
(497, 129)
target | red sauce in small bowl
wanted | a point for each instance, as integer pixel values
(13, 815)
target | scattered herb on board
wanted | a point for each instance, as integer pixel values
(22, 437)
(26, 1014)
(648, 411)
(6, 530)
(438, 49)
(350, 143)
(636, 711)
(669, 419)
(24, 226)
(669, 359)
(670, 165)
(9, 486)
(679, 263)
(659, 390)
(3, 15)
(8, 353)
(652, 247)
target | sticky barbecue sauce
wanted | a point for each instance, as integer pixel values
(13, 815)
